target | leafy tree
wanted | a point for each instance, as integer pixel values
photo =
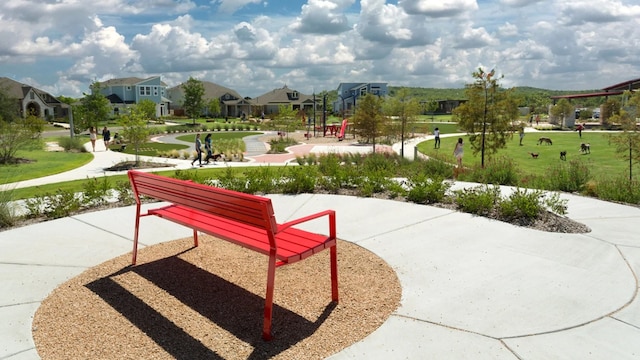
(285, 120)
(193, 98)
(487, 115)
(95, 109)
(17, 135)
(562, 110)
(405, 108)
(610, 109)
(213, 106)
(627, 142)
(134, 128)
(368, 120)
(148, 108)
(66, 99)
(9, 107)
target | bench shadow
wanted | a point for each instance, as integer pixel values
(229, 306)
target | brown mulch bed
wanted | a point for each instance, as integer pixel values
(207, 303)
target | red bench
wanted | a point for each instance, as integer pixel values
(244, 219)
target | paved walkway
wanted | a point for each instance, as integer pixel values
(472, 288)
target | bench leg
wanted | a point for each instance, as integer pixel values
(268, 303)
(134, 255)
(195, 238)
(334, 273)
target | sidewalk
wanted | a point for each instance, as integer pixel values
(472, 288)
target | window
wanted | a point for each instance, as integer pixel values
(363, 91)
(141, 90)
(128, 87)
(294, 95)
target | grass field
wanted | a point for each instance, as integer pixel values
(43, 163)
(603, 160)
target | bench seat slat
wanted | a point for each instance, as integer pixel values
(293, 244)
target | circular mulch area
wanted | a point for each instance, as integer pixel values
(207, 303)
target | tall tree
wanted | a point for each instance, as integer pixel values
(96, 109)
(487, 114)
(404, 108)
(148, 108)
(9, 107)
(369, 121)
(213, 106)
(627, 142)
(193, 98)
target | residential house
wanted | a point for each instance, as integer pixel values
(33, 101)
(124, 92)
(348, 94)
(231, 103)
(444, 106)
(270, 102)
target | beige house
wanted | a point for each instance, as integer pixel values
(268, 103)
(231, 103)
(34, 101)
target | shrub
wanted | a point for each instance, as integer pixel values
(260, 180)
(426, 190)
(62, 204)
(499, 171)
(520, 204)
(569, 177)
(72, 143)
(8, 214)
(479, 200)
(617, 188)
(299, 179)
(96, 192)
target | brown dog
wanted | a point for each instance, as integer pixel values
(563, 155)
(534, 155)
(544, 140)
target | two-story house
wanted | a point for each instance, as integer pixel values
(348, 94)
(32, 101)
(231, 103)
(126, 91)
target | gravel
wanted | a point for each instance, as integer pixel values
(207, 302)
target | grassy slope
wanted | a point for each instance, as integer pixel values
(603, 159)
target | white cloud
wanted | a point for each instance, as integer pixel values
(442, 8)
(231, 6)
(321, 17)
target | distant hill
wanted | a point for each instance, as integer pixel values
(530, 96)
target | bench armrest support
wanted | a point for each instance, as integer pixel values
(330, 213)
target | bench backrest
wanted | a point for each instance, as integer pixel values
(245, 208)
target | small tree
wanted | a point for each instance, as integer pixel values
(213, 106)
(627, 143)
(285, 120)
(193, 102)
(135, 130)
(148, 108)
(405, 109)
(562, 110)
(368, 121)
(17, 135)
(610, 109)
(487, 114)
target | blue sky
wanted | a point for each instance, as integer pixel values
(254, 46)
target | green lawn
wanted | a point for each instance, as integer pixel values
(218, 135)
(603, 159)
(43, 163)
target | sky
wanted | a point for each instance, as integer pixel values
(255, 46)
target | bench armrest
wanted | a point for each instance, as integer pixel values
(330, 213)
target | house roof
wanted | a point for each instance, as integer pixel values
(212, 90)
(283, 95)
(18, 90)
(616, 89)
(127, 81)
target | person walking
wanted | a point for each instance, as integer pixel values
(458, 151)
(208, 146)
(198, 145)
(106, 137)
(93, 136)
(436, 133)
(521, 134)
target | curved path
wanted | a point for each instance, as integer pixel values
(472, 288)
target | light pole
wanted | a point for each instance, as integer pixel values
(314, 114)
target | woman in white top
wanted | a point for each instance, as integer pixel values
(93, 135)
(458, 152)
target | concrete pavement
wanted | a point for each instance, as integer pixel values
(472, 288)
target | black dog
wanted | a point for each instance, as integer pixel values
(563, 155)
(585, 148)
(534, 155)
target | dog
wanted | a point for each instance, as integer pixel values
(544, 140)
(585, 148)
(534, 155)
(563, 155)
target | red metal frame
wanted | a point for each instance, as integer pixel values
(245, 213)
